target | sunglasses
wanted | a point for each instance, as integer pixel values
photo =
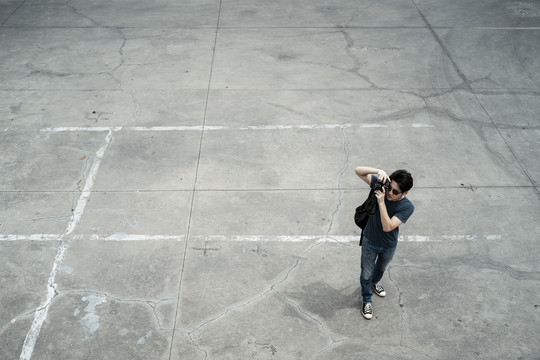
(395, 192)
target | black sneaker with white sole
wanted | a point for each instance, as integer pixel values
(367, 310)
(378, 289)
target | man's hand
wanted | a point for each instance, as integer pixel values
(380, 194)
(382, 177)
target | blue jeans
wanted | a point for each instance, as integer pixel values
(375, 259)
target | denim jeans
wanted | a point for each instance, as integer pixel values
(375, 259)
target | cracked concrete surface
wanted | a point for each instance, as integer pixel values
(178, 178)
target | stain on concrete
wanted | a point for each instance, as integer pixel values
(90, 322)
(16, 108)
(323, 300)
(133, 222)
(261, 349)
(525, 9)
(66, 269)
(142, 340)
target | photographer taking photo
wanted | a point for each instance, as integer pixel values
(381, 232)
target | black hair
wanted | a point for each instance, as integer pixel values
(403, 178)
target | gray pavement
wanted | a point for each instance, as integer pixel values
(178, 178)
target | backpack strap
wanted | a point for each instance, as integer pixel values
(372, 201)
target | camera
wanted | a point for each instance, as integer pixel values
(377, 185)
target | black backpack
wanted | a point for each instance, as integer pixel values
(364, 211)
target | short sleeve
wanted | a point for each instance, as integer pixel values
(405, 213)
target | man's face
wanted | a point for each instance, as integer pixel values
(394, 193)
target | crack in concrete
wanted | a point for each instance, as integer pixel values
(51, 73)
(194, 342)
(151, 303)
(360, 12)
(192, 333)
(154, 305)
(272, 289)
(248, 302)
(138, 106)
(83, 172)
(78, 12)
(346, 151)
(515, 157)
(313, 318)
(357, 63)
(400, 302)
(264, 346)
(478, 126)
(291, 110)
(298, 259)
(476, 261)
(403, 314)
(41, 312)
(467, 83)
(21, 3)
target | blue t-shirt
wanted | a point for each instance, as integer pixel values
(402, 209)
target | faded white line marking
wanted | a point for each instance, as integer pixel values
(236, 128)
(112, 237)
(42, 310)
(238, 238)
(340, 238)
(132, 237)
(31, 237)
(80, 128)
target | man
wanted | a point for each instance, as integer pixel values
(382, 229)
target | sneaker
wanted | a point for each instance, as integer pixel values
(378, 289)
(367, 310)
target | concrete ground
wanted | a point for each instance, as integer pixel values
(178, 178)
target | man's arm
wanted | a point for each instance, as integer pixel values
(387, 223)
(365, 172)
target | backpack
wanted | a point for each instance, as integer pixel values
(364, 211)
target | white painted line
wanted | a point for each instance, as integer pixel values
(261, 238)
(340, 238)
(133, 237)
(42, 310)
(113, 237)
(74, 129)
(238, 238)
(31, 237)
(81, 204)
(462, 237)
(237, 128)
(177, 128)
(416, 238)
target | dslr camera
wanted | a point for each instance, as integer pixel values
(377, 185)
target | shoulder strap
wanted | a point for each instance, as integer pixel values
(371, 203)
